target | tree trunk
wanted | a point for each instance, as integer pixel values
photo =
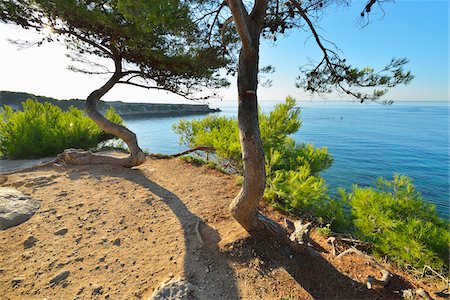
(244, 207)
(136, 157)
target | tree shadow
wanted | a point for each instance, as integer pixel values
(202, 268)
(312, 272)
(210, 269)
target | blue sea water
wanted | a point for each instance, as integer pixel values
(366, 141)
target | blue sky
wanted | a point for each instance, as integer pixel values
(417, 30)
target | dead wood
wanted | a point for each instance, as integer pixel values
(331, 240)
(371, 280)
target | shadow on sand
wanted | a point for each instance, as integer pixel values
(210, 269)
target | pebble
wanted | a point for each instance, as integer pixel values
(16, 281)
(61, 231)
(60, 277)
(117, 242)
(80, 290)
(29, 242)
(98, 290)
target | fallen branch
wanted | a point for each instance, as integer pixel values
(348, 251)
(422, 293)
(435, 272)
(202, 148)
(331, 240)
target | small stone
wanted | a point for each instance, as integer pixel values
(98, 290)
(80, 290)
(61, 231)
(29, 242)
(78, 239)
(104, 240)
(102, 259)
(117, 242)
(60, 277)
(16, 281)
(122, 220)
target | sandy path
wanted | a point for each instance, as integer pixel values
(129, 230)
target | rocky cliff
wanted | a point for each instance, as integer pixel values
(125, 109)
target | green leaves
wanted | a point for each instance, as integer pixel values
(44, 129)
(334, 73)
(395, 219)
(292, 170)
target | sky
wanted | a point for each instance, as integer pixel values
(417, 30)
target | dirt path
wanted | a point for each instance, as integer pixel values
(116, 233)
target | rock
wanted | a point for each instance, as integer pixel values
(117, 242)
(80, 290)
(176, 289)
(29, 242)
(61, 231)
(17, 280)
(60, 277)
(15, 207)
(98, 290)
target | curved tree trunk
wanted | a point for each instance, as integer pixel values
(244, 207)
(136, 157)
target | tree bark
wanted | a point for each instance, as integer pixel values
(244, 207)
(136, 157)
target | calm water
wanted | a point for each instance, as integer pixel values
(366, 141)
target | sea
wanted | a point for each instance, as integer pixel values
(366, 141)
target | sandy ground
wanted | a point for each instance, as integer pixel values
(109, 232)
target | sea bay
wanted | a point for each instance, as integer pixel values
(366, 141)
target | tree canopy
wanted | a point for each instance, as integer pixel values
(156, 44)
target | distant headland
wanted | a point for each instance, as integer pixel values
(127, 110)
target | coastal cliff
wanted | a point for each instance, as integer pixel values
(126, 110)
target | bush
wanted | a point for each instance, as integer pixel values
(43, 129)
(400, 225)
(292, 169)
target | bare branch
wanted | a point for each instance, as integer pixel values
(241, 21)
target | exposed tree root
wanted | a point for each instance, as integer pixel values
(198, 234)
(81, 157)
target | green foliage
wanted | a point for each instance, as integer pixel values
(325, 230)
(193, 160)
(43, 129)
(213, 131)
(292, 170)
(395, 219)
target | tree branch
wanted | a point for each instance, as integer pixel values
(241, 21)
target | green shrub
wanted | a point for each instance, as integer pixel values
(292, 169)
(43, 129)
(400, 225)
